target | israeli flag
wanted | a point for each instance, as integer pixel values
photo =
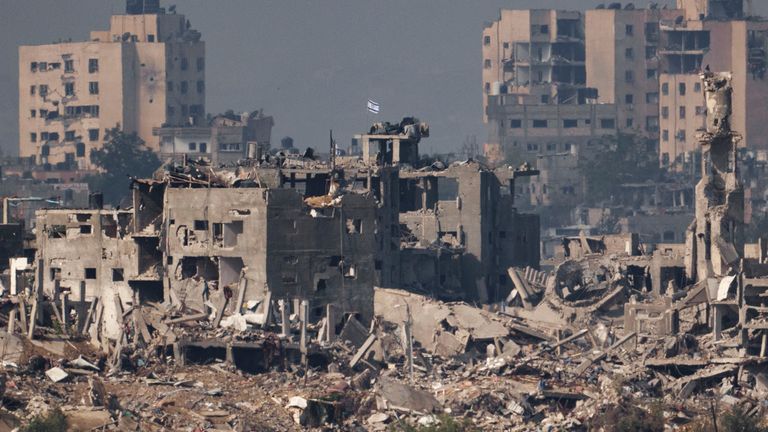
(373, 107)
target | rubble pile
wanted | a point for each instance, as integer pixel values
(419, 363)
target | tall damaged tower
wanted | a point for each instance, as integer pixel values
(715, 239)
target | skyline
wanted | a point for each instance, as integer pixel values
(401, 56)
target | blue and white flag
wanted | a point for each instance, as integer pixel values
(373, 107)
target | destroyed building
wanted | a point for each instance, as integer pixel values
(216, 239)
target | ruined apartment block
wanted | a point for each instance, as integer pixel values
(213, 241)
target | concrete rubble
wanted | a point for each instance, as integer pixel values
(286, 293)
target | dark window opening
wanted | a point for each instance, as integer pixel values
(90, 273)
(201, 225)
(117, 275)
(86, 229)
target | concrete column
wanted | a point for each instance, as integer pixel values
(82, 309)
(285, 325)
(65, 312)
(717, 322)
(331, 319)
(304, 315)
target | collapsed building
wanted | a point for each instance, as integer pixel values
(214, 240)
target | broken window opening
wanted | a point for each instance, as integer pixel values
(354, 226)
(55, 273)
(230, 269)
(231, 232)
(118, 275)
(57, 232)
(321, 285)
(86, 229)
(201, 225)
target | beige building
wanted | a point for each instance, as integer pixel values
(738, 46)
(623, 64)
(146, 71)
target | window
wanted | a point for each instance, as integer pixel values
(545, 99)
(681, 135)
(629, 76)
(69, 135)
(630, 122)
(184, 110)
(515, 124)
(118, 275)
(651, 74)
(184, 87)
(697, 87)
(650, 52)
(544, 29)
(69, 66)
(701, 110)
(200, 86)
(33, 136)
(192, 146)
(184, 64)
(33, 67)
(532, 147)
(93, 65)
(93, 87)
(608, 123)
(169, 86)
(90, 273)
(652, 98)
(32, 90)
(93, 134)
(551, 146)
(682, 112)
(665, 159)
(201, 225)
(505, 45)
(33, 113)
(487, 63)
(570, 123)
(43, 113)
(42, 66)
(539, 123)
(665, 112)
(567, 147)
(203, 147)
(170, 111)
(80, 150)
(487, 87)
(665, 135)
(53, 136)
(629, 53)
(44, 136)
(200, 64)
(150, 38)
(630, 30)
(69, 89)
(43, 90)
(682, 89)
(629, 99)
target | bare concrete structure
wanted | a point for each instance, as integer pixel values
(147, 70)
(227, 242)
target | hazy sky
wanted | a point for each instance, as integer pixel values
(310, 64)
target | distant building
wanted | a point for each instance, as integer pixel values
(147, 70)
(545, 72)
(226, 139)
(717, 35)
